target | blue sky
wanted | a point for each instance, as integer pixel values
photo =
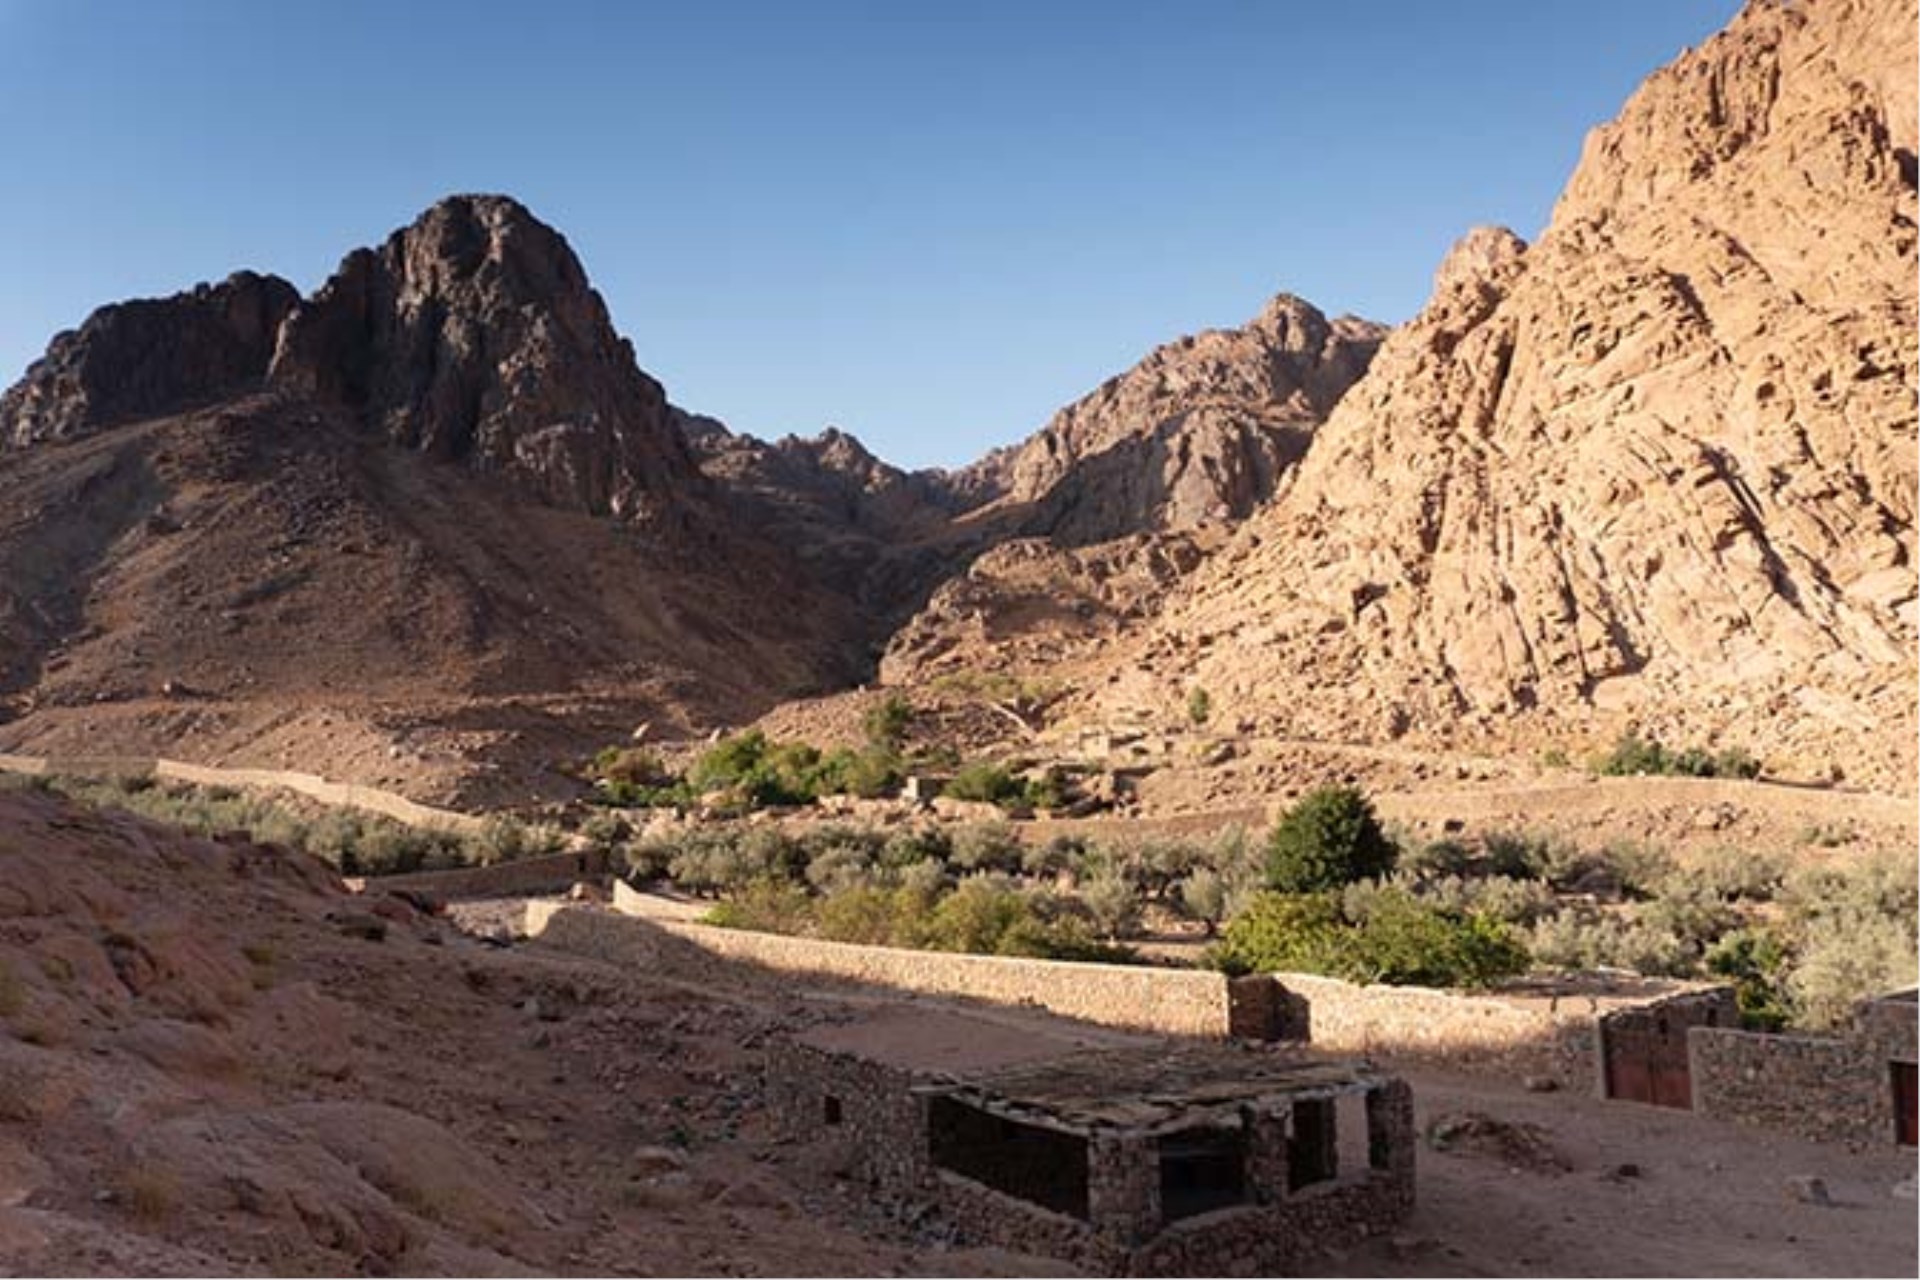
(930, 224)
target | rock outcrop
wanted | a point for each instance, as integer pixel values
(1657, 467)
(1202, 430)
(147, 357)
(473, 336)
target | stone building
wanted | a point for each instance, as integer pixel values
(1124, 1155)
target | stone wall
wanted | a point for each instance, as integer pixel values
(314, 787)
(1184, 1002)
(548, 874)
(1534, 1037)
(1835, 1088)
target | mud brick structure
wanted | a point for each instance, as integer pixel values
(1138, 1157)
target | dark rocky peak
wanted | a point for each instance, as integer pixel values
(474, 336)
(148, 357)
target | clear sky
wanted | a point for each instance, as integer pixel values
(930, 222)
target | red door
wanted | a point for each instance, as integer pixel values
(1649, 1064)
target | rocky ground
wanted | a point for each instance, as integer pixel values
(215, 1061)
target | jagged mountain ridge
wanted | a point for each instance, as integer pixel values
(1200, 430)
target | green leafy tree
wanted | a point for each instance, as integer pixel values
(1331, 838)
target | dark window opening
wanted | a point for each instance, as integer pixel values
(1313, 1143)
(1906, 1103)
(1379, 1147)
(1042, 1166)
(1202, 1170)
(830, 1111)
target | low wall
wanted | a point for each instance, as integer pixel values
(342, 794)
(1832, 1088)
(1469, 1032)
(547, 874)
(1186, 1002)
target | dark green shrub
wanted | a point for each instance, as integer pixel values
(986, 783)
(974, 917)
(1330, 838)
(887, 722)
(1633, 755)
(1755, 962)
(1199, 706)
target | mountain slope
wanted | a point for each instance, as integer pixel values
(1200, 430)
(450, 519)
(1658, 467)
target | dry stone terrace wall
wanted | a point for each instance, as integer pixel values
(1469, 1032)
(341, 794)
(1184, 1002)
(1831, 1088)
(502, 880)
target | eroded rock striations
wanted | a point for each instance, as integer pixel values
(149, 356)
(1201, 430)
(1659, 465)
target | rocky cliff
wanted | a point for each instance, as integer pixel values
(1201, 430)
(149, 356)
(1658, 467)
(473, 336)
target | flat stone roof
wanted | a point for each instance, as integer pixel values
(1066, 1076)
(1159, 1086)
(943, 1041)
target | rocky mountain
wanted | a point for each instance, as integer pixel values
(1201, 430)
(148, 357)
(439, 526)
(1657, 468)
(473, 336)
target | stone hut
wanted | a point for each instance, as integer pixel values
(1128, 1156)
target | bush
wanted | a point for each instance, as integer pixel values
(1199, 706)
(1755, 962)
(887, 722)
(768, 906)
(1633, 755)
(1331, 838)
(908, 845)
(976, 915)
(1584, 940)
(987, 784)
(1405, 941)
(1436, 858)
(1851, 929)
(1203, 898)
(987, 846)
(1400, 940)
(1113, 902)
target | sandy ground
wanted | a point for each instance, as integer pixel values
(1710, 1198)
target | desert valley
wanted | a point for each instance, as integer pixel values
(1337, 798)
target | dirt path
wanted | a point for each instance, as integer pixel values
(1710, 1198)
